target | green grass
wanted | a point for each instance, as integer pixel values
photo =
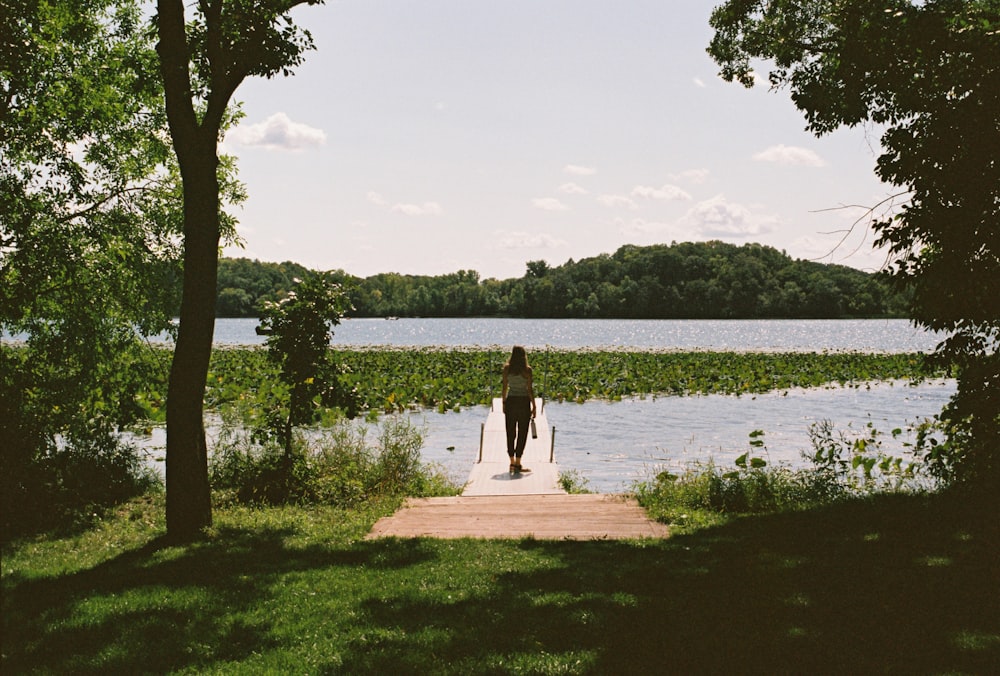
(899, 584)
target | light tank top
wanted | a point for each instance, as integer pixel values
(517, 385)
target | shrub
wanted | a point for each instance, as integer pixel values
(299, 342)
(333, 465)
(63, 400)
(842, 466)
(858, 465)
(706, 486)
(71, 484)
(573, 481)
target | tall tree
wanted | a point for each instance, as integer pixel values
(203, 61)
(928, 73)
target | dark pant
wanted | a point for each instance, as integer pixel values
(517, 415)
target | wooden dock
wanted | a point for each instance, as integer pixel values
(498, 504)
(491, 474)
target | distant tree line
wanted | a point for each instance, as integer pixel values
(244, 285)
(677, 281)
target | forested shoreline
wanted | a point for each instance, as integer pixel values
(693, 280)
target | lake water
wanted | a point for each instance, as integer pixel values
(612, 444)
(862, 335)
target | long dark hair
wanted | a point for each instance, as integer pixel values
(518, 362)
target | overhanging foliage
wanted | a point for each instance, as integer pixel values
(929, 74)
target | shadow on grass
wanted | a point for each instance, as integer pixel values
(163, 608)
(899, 585)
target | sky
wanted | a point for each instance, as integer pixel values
(430, 136)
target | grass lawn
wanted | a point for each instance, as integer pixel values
(905, 585)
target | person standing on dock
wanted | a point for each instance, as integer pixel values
(518, 405)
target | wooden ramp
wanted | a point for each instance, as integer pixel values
(544, 517)
(498, 504)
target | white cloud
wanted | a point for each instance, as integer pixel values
(572, 189)
(425, 209)
(578, 170)
(617, 201)
(639, 226)
(549, 204)
(790, 155)
(516, 239)
(277, 132)
(718, 218)
(694, 176)
(814, 248)
(639, 230)
(666, 192)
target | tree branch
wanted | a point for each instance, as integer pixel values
(98, 204)
(868, 215)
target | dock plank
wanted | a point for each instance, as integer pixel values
(543, 517)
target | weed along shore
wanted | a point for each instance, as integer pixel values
(623, 387)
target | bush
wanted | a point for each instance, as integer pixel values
(71, 485)
(857, 464)
(573, 482)
(706, 486)
(334, 465)
(842, 466)
(64, 397)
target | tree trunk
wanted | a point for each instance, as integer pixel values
(189, 507)
(195, 138)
